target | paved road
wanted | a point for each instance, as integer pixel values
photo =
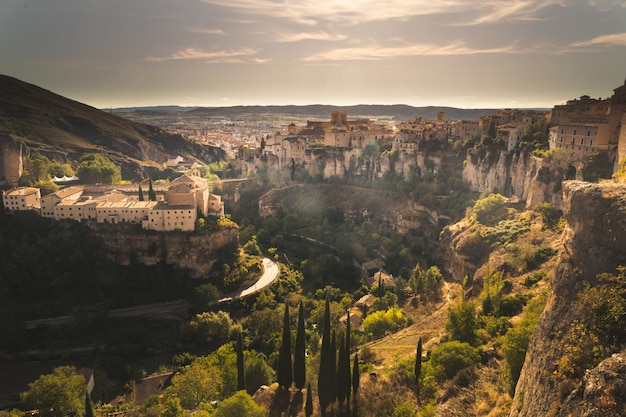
(270, 273)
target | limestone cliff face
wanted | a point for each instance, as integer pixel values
(11, 166)
(202, 253)
(594, 241)
(531, 179)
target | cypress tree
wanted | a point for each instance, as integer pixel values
(418, 368)
(285, 372)
(325, 376)
(88, 406)
(140, 193)
(355, 376)
(308, 408)
(151, 193)
(299, 365)
(241, 375)
(333, 367)
(347, 358)
(342, 384)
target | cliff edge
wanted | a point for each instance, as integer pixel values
(594, 242)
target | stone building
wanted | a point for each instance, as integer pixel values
(22, 198)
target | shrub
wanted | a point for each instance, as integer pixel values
(491, 209)
(451, 357)
(380, 322)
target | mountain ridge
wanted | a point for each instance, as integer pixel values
(64, 129)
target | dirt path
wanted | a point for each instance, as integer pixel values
(429, 323)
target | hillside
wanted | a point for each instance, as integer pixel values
(63, 130)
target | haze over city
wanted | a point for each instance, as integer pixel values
(486, 53)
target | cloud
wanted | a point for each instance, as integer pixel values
(198, 54)
(312, 12)
(302, 36)
(377, 52)
(614, 39)
(207, 31)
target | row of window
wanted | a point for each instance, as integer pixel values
(588, 132)
(582, 141)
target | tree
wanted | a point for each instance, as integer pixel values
(258, 371)
(348, 376)
(418, 368)
(333, 367)
(210, 328)
(491, 209)
(341, 372)
(88, 406)
(59, 394)
(196, 383)
(299, 363)
(38, 166)
(140, 193)
(94, 168)
(324, 380)
(356, 377)
(462, 322)
(450, 357)
(380, 322)
(308, 408)
(239, 405)
(151, 193)
(241, 375)
(285, 370)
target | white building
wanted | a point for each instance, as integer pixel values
(22, 198)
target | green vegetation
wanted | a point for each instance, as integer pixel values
(451, 357)
(95, 168)
(59, 394)
(599, 330)
(379, 323)
(517, 339)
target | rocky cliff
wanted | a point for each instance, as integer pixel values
(593, 242)
(532, 179)
(201, 253)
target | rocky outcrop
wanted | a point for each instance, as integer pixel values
(462, 251)
(601, 393)
(201, 253)
(593, 242)
(11, 166)
(530, 178)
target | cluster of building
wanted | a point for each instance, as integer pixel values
(581, 127)
(586, 125)
(175, 206)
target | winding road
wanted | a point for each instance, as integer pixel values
(270, 273)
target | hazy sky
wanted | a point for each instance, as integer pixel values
(461, 53)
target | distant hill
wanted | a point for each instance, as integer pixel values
(63, 130)
(398, 112)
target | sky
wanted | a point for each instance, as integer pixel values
(458, 53)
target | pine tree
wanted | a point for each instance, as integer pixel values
(418, 368)
(140, 193)
(325, 375)
(308, 408)
(285, 371)
(241, 376)
(151, 193)
(299, 364)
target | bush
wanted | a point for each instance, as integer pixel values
(451, 357)
(491, 209)
(462, 322)
(380, 322)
